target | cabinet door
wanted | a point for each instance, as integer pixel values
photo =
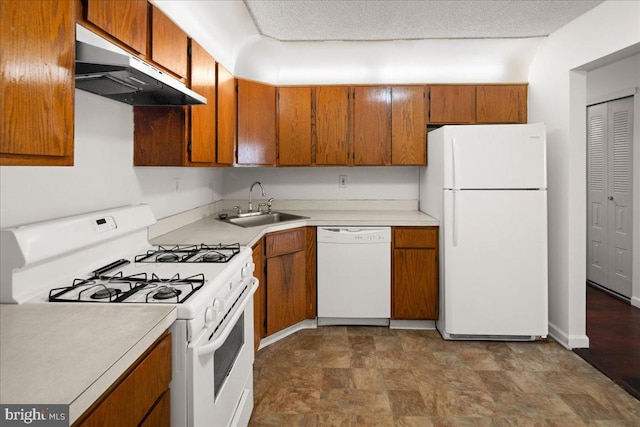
(294, 126)
(37, 101)
(452, 104)
(286, 296)
(126, 20)
(260, 297)
(203, 117)
(371, 125)
(226, 135)
(408, 126)
(256, 123)
(332, 125)
(415, 284)
(169, 44)
(136, 392)
(501, 103)
(414, 289)
(160, 136)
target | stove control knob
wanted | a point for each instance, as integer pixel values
(213, 311)
(210, 315)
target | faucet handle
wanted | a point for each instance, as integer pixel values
(269, 203)
(260, 206)
(238, 210)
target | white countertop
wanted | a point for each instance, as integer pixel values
(211, 230)
(72, 353)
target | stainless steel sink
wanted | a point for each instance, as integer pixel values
(263, 219)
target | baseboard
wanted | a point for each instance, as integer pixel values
(412, 324)
(635, 301)
(568, 341)
(305, 324)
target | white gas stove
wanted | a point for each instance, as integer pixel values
(105, 258)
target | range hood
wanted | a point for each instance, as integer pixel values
(115, 74)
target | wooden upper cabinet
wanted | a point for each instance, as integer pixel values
(203, 117)
(371, 125)
(454, 104)
(408, 125)
(294, 126)
(331, 125)
(126, 20)
(226, 111)
(256, 123)
(37, 62)
(169, 44)
(160, 136)
(501, 103)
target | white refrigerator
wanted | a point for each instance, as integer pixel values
(487, 186)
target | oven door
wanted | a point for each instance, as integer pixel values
(220, 368)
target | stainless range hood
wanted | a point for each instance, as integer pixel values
(115, 74)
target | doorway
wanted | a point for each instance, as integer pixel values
(610, 195)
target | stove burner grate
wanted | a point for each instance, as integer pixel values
(194, 253)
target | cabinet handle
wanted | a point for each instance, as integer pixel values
(610, 197)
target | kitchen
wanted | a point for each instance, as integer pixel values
(103, 148)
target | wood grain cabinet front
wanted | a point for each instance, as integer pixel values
(37, 101)
(140, 396)
(180, 136)
(226, 117)
(294, 126)
(408, 126)
(501, 104)
(371, 125)
(169, 44)
(331, 125)
(414, 286)
(125, 20)
(256, 124)
(286, 261)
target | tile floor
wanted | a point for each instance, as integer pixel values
(370, 376)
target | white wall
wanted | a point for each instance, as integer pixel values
(557, 97)
(609, 82)
(103, 175)
(226, 30)
(363, 183)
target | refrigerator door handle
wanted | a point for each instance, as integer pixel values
(454, 164)
(456, 220)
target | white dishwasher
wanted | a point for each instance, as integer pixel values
(354, 275)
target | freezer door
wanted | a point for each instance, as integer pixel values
(495, 156)
(495, 263)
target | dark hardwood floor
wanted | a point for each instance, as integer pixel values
(613, 328)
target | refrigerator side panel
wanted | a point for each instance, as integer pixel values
(496, 156)
(431, 175)
(496, 264)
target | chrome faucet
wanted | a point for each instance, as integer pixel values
(250, 190)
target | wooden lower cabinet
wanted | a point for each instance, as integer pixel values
(414, 288)
(260, 297)
(286, 279)
(140, 396)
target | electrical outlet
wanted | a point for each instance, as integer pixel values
(342, 181)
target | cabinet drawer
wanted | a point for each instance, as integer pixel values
(285, 242)
(415, 237)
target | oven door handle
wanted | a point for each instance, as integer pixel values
(217, 343)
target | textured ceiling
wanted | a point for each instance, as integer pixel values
(357, 20)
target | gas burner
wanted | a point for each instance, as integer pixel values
(166, 292)
(105, 293)
(214, 256)
(168, 257)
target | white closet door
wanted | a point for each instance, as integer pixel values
(610, 177)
